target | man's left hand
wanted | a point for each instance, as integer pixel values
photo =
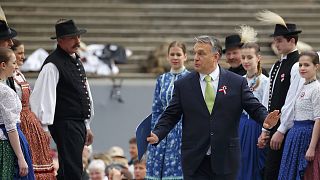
(89, 138)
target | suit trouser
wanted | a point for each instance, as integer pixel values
(69, 136)
(273, 162)
(205, 172)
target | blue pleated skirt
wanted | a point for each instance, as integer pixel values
(293, 162)
(252, 158)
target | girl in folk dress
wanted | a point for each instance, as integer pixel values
(30, 125)
(164, 160)
(299, 147)
(252, 158)
(15, 159)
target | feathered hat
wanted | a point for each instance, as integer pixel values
(247, 34)
(281, 27)
(5, 31)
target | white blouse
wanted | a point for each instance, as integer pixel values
(10, 108)
(307, 105)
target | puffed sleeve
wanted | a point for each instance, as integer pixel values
(10, 110)
(315, 98)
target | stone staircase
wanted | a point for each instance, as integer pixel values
(141, 25)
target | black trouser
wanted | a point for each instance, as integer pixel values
(205, 172)
(273, 161)
(69, 136)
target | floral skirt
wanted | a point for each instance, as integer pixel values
(39, 145)
(7, 160)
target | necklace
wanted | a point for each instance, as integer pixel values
(309, 82)
(253, 83)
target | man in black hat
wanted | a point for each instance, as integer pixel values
(233, 54)
(232, 51)
(285, 83)
(6, 35)
(62, 101)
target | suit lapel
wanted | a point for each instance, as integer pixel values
(223, 79)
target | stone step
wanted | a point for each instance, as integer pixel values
(173, 1)
(48, 22)
(305, 14)
(99, 6)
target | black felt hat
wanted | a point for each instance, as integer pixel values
(281, 30)
(67, 28)
(232, 41)
(6, 32)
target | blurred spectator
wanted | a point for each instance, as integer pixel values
(140, 169)
(119, 163)
(96, 170)
(86, 154)
(133, 151)
(105, 157)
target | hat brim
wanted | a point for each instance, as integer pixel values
(238, 45)
(286, 34)
(81, 31)
(9, 36)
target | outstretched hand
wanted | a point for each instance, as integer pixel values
(272, 119)
(153, 138)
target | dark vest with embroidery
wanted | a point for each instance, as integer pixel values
(72, 100)
(280, 81)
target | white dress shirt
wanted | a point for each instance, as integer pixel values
(214, 82)
(43, 96)
(287, 110)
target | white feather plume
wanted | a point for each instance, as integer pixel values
(2, 16)
(247, 34)
(269, 17)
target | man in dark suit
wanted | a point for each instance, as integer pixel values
(211, 101)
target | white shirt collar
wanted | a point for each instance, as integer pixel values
(214, 74)
(285, 56)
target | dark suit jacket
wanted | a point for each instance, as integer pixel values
(200, 129)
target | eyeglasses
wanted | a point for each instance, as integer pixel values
(216, 46)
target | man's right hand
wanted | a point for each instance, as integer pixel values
(153, 138)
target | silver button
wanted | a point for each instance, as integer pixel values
(86, 92)
(89, 109)
(88, 116)
(79, 69)
(211, 133)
